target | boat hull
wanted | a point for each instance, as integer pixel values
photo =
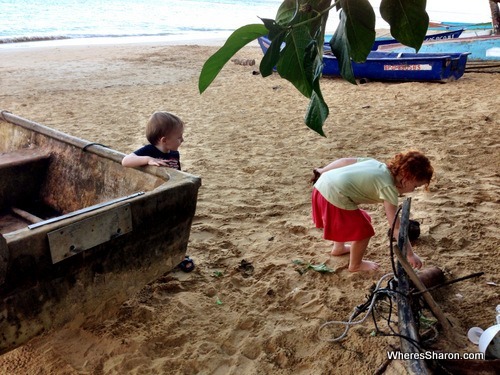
(115, 229)
(480, 48)
(401, 67)
(437, 36)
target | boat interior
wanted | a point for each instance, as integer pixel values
(42, 177)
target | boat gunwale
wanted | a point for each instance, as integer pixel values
(91, 147)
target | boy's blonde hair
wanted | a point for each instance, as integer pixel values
(160, 124)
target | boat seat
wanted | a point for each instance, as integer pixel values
(22, 157)
(22, 173)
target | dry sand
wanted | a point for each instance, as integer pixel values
(245, 137)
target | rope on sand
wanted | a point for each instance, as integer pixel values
(358, 310)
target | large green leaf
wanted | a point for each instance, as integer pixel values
(341, 49)
(360, 27)
(271, 56)
(317, 110)
(287, 12)
(237, 40)
(408, 20)
(291, 63)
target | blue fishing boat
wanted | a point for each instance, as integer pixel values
(394, 66)
(452, 34)
(383, 40)
(480, 48)
(469, 29)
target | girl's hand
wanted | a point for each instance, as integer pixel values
(315, 176)
(414, 260)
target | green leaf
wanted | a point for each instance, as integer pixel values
(360, 27)
(287, 12)
(291, 63)
(317, 110)
(408, 20)
(323, 268)
(237, 40)
(341, 49)
(272, 56)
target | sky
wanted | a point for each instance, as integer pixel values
(474, 11)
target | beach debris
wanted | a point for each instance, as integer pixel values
(218, 274)
(218, 301)
(246, 268)
(321, 267)
(245, 62)
(187, 265)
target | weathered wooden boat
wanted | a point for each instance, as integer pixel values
(80, 234)
(392, 66)
(480, 48)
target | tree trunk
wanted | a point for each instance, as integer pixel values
(495, 16)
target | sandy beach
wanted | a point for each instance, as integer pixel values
(249, 307)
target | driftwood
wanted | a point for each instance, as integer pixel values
(407, 328)
(407, 325)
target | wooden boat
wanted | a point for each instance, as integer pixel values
(80, 234)
(480, 48)
(391, 66)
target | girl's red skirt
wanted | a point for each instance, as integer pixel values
(340, 225)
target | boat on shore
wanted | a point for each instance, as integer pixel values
(445, 35)
(480, 48)
(79, 233)
(469, 29)
(394, 66)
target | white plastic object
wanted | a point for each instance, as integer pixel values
(474, 334)
(489, 342)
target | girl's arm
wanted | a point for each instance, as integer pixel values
(390, 212)
(339, 163)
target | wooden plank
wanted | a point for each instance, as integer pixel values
(410, 274)
(22, 156)
(407, 326)
(4, 258)
(26, 215)
(88, 233)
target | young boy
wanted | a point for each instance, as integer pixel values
(164, 132)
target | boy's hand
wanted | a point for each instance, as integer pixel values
(158, 162)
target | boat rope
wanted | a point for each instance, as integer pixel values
(2, 114)
(368, 307)
(93, 144)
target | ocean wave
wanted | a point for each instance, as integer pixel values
(44, 38)
(21, 39)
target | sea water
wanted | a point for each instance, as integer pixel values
(99, 20)
(39, 20)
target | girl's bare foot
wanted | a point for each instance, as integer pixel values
(365, 265)
(337, 250)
